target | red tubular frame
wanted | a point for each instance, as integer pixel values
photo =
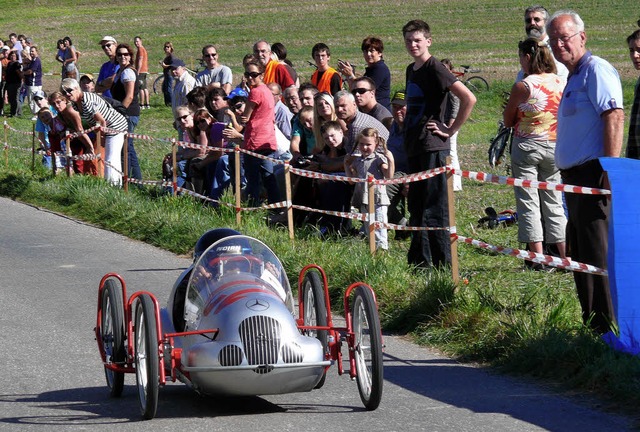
(334, 333)
(163, 339)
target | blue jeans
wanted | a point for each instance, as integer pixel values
(224, 174)
(134, 165)
(258, 171)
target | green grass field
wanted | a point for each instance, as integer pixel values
(523, 322)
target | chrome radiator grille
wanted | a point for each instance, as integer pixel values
(260, 336)
(230, 355)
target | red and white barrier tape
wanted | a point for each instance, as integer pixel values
(562, 263)
(349, 215)
(323, 176)
(424, 175)
(492, 178)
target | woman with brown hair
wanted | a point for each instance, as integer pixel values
(532, 110)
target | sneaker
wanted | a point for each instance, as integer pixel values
(34, 118)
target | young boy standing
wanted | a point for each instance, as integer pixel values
(427, 143)
(326, 78)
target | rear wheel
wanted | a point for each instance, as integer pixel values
(315, 310)
(157, 84)
(367, 347)
(112, 334)
(146, 356)
(477, 84)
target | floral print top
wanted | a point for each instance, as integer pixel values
(538, 115)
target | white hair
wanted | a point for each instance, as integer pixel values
(577, 21)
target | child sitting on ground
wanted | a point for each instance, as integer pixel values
(372, 160)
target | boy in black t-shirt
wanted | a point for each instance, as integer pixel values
(427, 143)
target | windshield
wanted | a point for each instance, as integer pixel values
(228, 263)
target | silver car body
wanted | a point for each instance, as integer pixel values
(238, 286)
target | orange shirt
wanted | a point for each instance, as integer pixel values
(141, 60)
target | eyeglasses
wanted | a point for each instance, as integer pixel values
(123, 54)
(184, 117)
(563, 39)
(66, 91)
(211, 55)
(359, 91)
(252, 75)
(107, 45)
(238, 106)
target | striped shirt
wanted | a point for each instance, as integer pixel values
(92, 104)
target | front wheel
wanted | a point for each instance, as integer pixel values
(146, 356)
(477, 84)
(367, 347)
(315, 311)
(112, 334)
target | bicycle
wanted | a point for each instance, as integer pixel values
(476, 83)
(157, 83)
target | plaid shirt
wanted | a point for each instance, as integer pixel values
(633, 144)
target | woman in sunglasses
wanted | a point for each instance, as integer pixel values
(94, 110)
(259, 135)
(125, 89)
(167, 83)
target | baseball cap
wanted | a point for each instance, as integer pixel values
(398, 98)
(87, 76)
(39, 94)
(236, 92)
(107, 39)
(176, 63)
(6, 48)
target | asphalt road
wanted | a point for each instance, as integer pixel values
(52, 378)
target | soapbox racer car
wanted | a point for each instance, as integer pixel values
(230, 328)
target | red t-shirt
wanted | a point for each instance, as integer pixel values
(260, 132)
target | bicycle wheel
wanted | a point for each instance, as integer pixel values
(315, 311)
(157, 84)
(112, 334)
(499, 145)
(477, 84)
(367, 347)
(146, 356)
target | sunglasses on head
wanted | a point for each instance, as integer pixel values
(360, 91)
(252, 74)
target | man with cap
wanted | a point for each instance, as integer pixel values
(33, 79)
(110, 68)
(395, 144)
(88, 83)
(184, 84)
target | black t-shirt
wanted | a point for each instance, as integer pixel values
(426, 96)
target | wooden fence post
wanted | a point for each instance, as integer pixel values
(67, 154)
(6, 145)
(99, 151)
(455, 272)
(174, 159)
(371, 217)
(33, 148)
(287, 188)
(238, 188)
(125, 168)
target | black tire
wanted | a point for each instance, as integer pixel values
(499, 145)
(367, 347)
(146, 356)
(477, 84)
(157, 84)
(112, 334)
(315, 311)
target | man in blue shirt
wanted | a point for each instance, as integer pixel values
(110, 68)
(590, 123)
